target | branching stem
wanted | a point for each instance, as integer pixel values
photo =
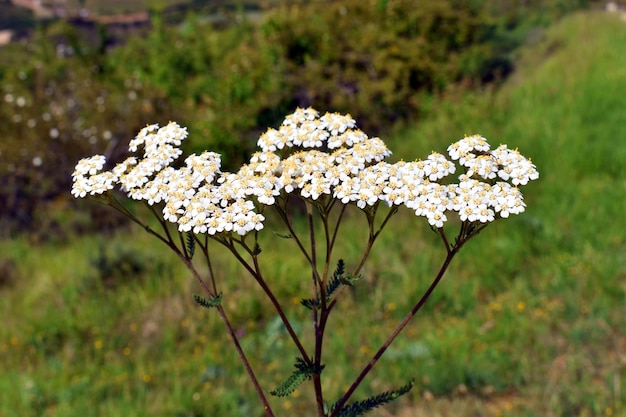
(255, 271)
(392, 336)
(464, 235)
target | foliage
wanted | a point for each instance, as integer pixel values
(219, 80)
(303, 372)
(362, 407)
(374, 59)
(213, 302)
(338, 279)
(55, 109)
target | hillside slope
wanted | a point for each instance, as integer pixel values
(558, 272)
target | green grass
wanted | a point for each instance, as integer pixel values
(529, 321)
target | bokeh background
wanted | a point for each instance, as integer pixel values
(98, 318)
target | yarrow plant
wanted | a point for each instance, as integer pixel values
(329, 164)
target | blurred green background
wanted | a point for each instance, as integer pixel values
(98, 318)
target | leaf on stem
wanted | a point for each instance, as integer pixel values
(309, 303)
(302, 373)
(191, 244)
(335, 282)
(211, 302)
(361, 407)
(288, 236)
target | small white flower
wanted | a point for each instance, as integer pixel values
(514, 166)
(469, 144)
(310, 155)
(89, 166)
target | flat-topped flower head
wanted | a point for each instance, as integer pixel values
(152, 138)
(305, 129)
(310, 155)
(488, 187)
(89, 179)
(514, 166)
(301, 116)
(468, 145)
(89, 166)
(318, 153)
(337, 124)
(160, 149)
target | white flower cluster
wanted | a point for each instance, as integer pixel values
(313, 156)
(191, 194)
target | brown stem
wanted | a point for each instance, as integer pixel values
(233, 336)
(372, 237)
(205, 252)
(189, 264)
(279, 310)
(337, 223)
(283, 215)
(368, 248)
(246, 364)
(120, 207)
(258, 276)
(319, 286)
(396, 331)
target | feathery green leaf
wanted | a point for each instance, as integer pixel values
(290, 385)
(191, 244)
(335, 282)
(361, 407)
(302, 373)
(211, 302)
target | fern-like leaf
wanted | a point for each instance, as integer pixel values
(361, 407)
(290, 385)
(309, 303)
(341, 268)
(191, 244)
(211, 302)
(302, 373)
(338, 279)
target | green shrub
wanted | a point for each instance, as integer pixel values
(57, 107)
(372, 58)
